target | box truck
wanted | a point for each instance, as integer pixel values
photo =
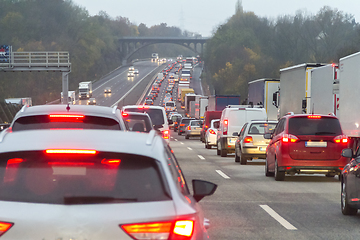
(85, 90)
(71, 97)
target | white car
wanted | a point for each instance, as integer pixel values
(136, 71)
(210, 135)
(65, 185)
(131, 74)
(157, 115)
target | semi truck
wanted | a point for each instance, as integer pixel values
(188, 98)
(200, 107)
(71, 97)
(307, 88)
(185, 91)
(219, 102)
(85, 90)
(260, 92)
(183, 84)
(154, 57)
(349, 113)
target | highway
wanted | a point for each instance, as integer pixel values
(247, 204)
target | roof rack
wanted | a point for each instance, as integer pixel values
(4, 133)
(24, 108)
(290, 113)
(114, 109)
(331, 114)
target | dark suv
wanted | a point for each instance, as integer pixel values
(305, 144)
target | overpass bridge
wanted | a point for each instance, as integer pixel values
(130, 45)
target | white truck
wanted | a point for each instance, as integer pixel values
(183, 84)
(260, 92)
(201, 103)
(71, 97)
(154, 57)
(307, 88)
(85, 90)
(349, 114)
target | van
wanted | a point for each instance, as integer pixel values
(208, 116)
(233, 117)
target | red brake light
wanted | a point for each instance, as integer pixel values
(188, 128)
(66, 118)
(341, 139)
(166, 134)
(248, 139)
(161, 230)
(70, 151)
(314, 116)
(226, 122)
(124, 114)
(4, 226)
(212, 131)
(113, 162)
(14, 161)
(288, 138)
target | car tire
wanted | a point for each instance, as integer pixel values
(346, 209)
(223, 152)
(243, 159)
(279, 176)
(217, 149)
(186, 136)
(329, 175)
(267, 172)
(179, 133)
(237, 158)
(207, 146)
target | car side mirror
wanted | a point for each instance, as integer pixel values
(202, 189)
(347, 152)
(157, 127)
(268, 136)
(235, 134)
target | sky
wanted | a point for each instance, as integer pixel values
(204, 16)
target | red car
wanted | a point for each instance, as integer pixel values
(305, 144)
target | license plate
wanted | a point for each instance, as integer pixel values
(232, 140)
(315, 144)
(263, 149)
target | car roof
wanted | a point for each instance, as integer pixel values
(292, 115)
(111, 141)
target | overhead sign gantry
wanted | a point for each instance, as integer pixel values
(36, 61)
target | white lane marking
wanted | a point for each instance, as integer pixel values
(278, 218)
(189, 148)
(222, 174)
(201, 157)
(181, 143)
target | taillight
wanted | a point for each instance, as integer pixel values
(181, 125)
(124, 114)
(288, 138)
(4, 226)
(341, 139)
(181, 229)
(66, 118)
(248, 139)
(212, 131)
(188, 128)
(226, 122)
(70, 151)
(166, 134)
(314, 116)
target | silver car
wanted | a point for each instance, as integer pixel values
(67, 117)
(125, 186)
(193, 129)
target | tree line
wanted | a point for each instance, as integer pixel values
(248, 47)
(61, 25)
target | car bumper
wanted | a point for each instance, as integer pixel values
(254, 151)
(211, 139)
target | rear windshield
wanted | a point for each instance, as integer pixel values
(39, 177)
(170, 104)
(196, 123)
(138, 123)
(45, 122)
(308, 126)
(156, 115)
(261, 128)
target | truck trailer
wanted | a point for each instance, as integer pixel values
(260, 92)
(307, 88)
(219, 102)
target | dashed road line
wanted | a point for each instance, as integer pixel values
(181, 143)
(222, 174)
(278, 218)
(201, 157)
(189, 148)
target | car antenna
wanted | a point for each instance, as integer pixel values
(313, 110)
(68, 107)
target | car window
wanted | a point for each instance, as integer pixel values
(196, 123)
(242, 131)
(261, 128)
(314, 126)
(280, 126)
(47, 122)
(216, 124)
(40, 177)
(156, 115)
(176, 172)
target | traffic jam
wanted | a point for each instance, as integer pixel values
(96, 172)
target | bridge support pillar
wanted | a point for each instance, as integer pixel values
(65, 87)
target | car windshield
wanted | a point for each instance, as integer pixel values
(261, 128)
(156, 115)
(170, 104)
(137, 123)
(47, 122)
(314, 126)
(40, 177)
